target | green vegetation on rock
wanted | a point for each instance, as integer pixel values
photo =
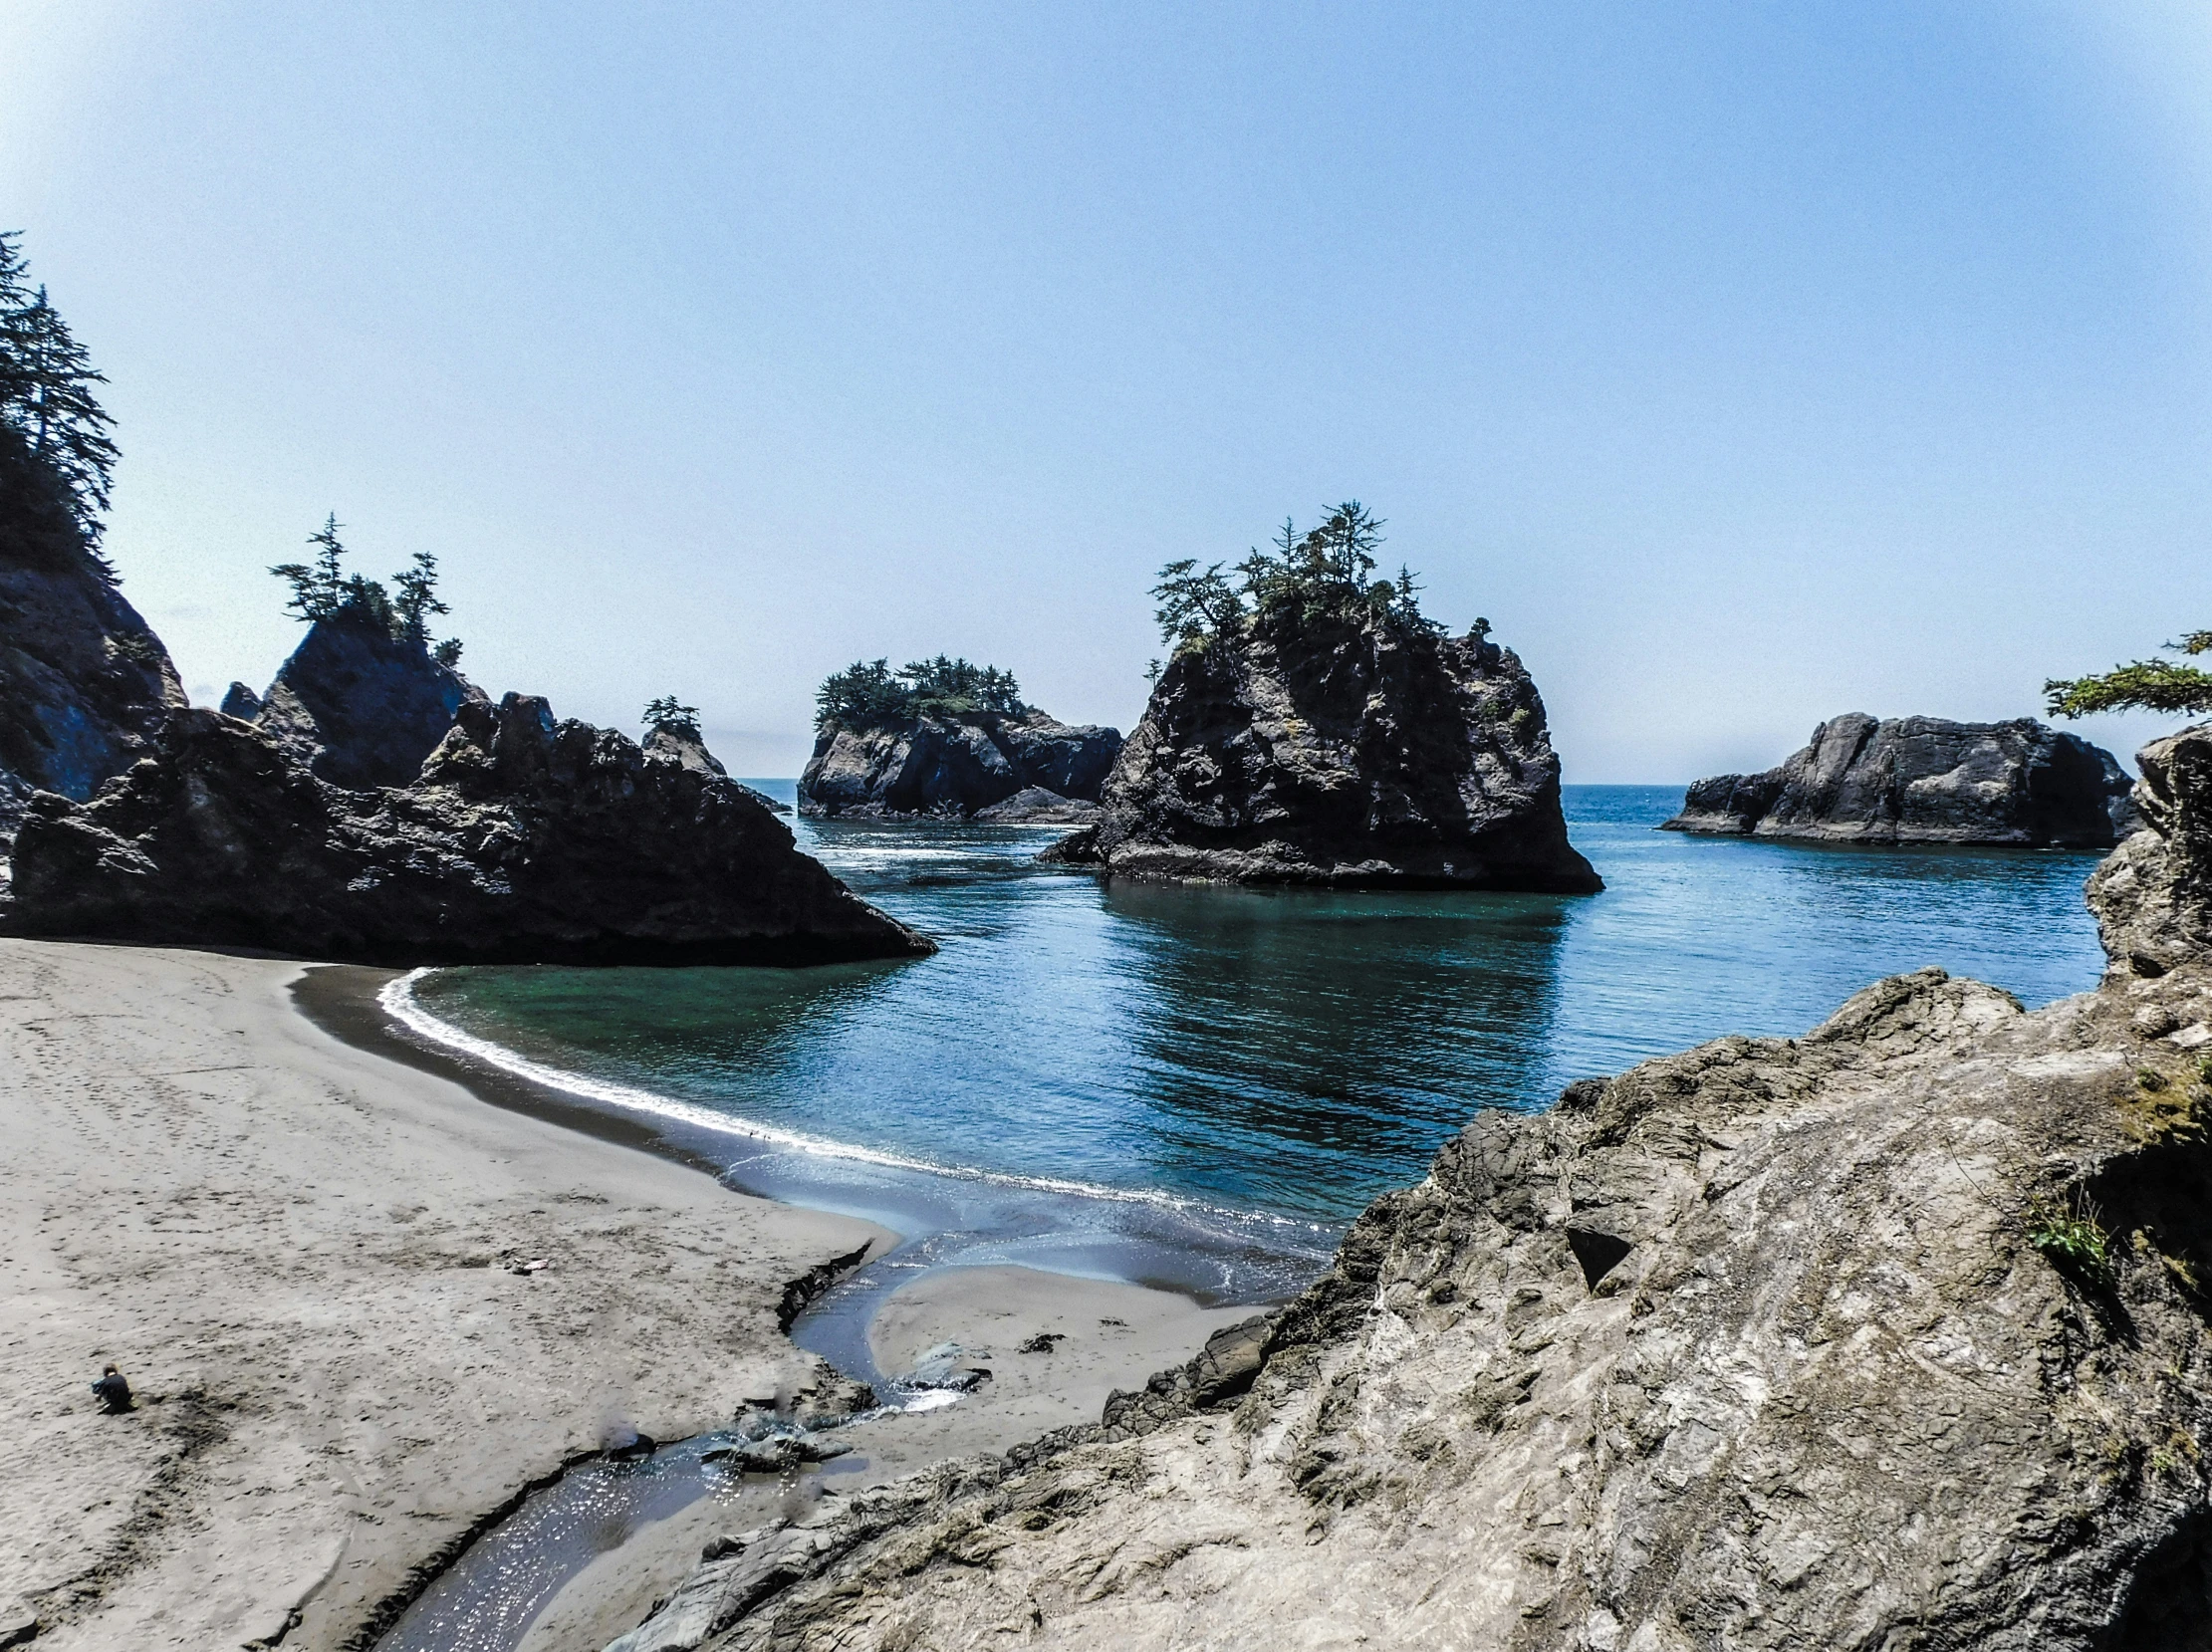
(870, 694)
(54, 443)
(2141, 686)
(323, 589)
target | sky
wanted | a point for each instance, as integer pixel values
(1744, 365)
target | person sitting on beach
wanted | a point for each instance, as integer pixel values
(114, 1391)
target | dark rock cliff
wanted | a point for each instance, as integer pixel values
(955, 767)
(520, 839)
(1892, 1336)
(1922, 779)
(692, 754)
(358, 706)
(83, 682)
(1358, 755)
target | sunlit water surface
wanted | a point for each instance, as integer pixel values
(1257, 1063)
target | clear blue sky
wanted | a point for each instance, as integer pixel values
(1743, 364)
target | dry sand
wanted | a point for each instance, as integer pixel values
(299, 1253)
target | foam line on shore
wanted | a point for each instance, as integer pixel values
(397, 999)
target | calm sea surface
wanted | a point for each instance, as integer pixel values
(1281, 1055)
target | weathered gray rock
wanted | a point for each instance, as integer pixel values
(1359, 755)
(522, 839)
(83, 682)
(692, 754)
(358, 706)
(1776, 1343)
(240, 702)
(1922, 779)
(953, 767)
(1034, 805)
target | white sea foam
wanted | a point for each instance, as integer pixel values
(397, 999)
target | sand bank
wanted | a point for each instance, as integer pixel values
(300, 1253)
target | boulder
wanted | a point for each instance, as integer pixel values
(521, 840)
(1034, 805)
(1892, 1336)
(1923, 780)
(679, 747)
(83, 682)
(1355, 755)
(953, 767)
(358, 706)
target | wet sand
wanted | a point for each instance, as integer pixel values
(300, 1252)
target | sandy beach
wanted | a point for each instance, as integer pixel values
(303, 1256)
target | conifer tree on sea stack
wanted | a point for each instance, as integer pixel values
(2141, 686)
(47, 398)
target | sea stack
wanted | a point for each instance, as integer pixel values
(943, 739)
(1366, 751)
(522, 839)
(360, 703)
(1924, 780)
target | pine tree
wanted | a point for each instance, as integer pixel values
(418, 596)
(2143, 685)
(47, 396)
(319, 589)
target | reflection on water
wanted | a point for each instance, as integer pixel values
(1268, 1052)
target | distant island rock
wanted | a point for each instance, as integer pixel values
(83, 682)
(520, 839)
(943, 739)
(1368, 754)
(240, 702)
(1924, 780)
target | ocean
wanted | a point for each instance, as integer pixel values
(1200, 1088)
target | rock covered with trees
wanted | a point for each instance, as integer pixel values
(520, 839)
(84, 681)
(1924, 780)
(1312, 726)
(947, 739)
(1893, 1335)
(366, 696)
(672, 734)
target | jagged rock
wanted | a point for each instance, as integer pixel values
(2153, 896)
(521, 840)
(774, 1453)
(953, 767)
(1034, 805)
(83, 682)
(240, 702)
(1358, 755)
(1892, 1336)
(692, 754)
(1922, 779)
(360, 706)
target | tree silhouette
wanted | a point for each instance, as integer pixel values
(2143, 685)
(47, 396)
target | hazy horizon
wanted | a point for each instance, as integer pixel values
(1742, 367)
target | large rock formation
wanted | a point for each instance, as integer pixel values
(360, 706)
(1892, 1336)
(83, 682)
(520, 839)
(956, 767)
(1354, 755)
(1922, 779)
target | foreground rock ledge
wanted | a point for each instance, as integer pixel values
(1358, 756)
(1752, 1346)
(522, 841)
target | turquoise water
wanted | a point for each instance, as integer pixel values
(1251, 1055)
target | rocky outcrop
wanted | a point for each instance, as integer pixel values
(1358, 755)
(1922, 779)
(953, 767)
(83, 682)
(1891, 1335)
(677, 747)
(240, 702)
(520, 839)
(358, 706)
